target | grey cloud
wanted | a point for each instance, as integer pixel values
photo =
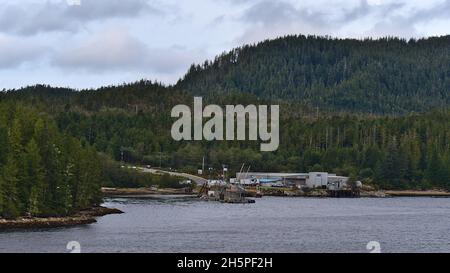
(267, 19)
(116, 49)
(442, 10)
(271, 12)
(365, 9)
(14, 52)
(95, 9)
(59, 16)
(404, 26)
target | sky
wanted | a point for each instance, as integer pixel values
(92, 43)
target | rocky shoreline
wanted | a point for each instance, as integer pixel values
(366, 193)
(415, 193)
(111, 192)
(80, 218)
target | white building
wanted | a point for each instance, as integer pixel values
(309, 180)
(316, 180)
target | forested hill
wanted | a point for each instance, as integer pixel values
(384, 76)
(132, 122)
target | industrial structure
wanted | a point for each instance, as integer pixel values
(219, 190)
(334, 184)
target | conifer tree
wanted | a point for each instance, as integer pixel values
(35, 176)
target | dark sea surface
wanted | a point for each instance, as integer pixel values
(272, 224)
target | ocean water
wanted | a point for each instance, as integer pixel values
(272, 224)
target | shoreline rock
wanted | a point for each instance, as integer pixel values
(417, 193)
(80, 218)
(111, 192)
(364, 193)
(373, 194)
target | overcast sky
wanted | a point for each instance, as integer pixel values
(104, 42)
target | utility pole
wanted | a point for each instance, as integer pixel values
(203, 165)
(210, 172)
(224, 169)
